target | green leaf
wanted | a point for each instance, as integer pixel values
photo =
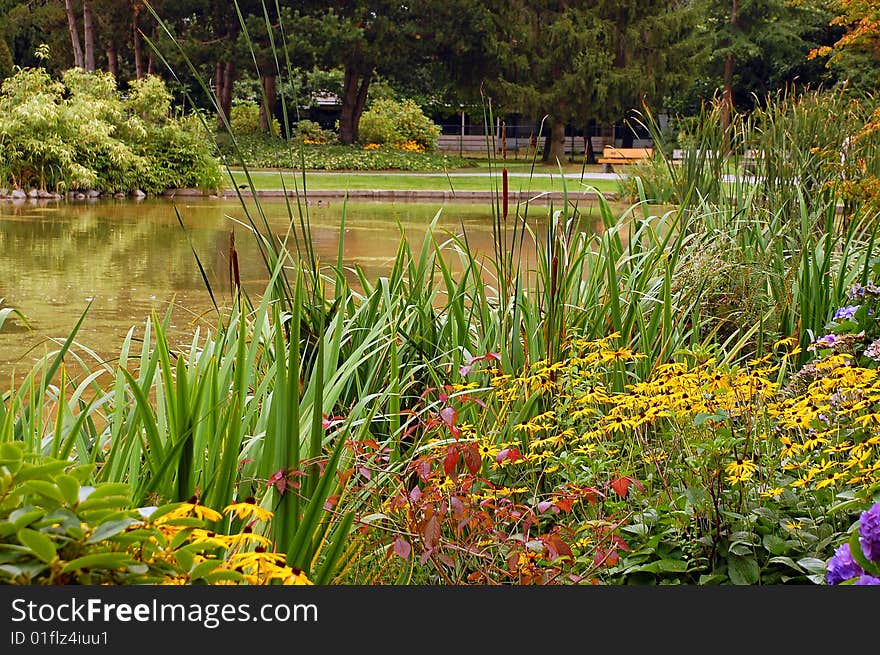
(740, 548)
(743, 570)
(204, 568)
(855, 548)
(21, 518)
(110, 528)
(100, 561)
(813, 565)
(787, 561)
(663, 566)
(38, 543)
(774, 544)
(185, 559)
(69, 487)
(44, 488)
(223, 576)
(40, 472)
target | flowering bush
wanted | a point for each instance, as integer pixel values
(401, 124)
(857, 561)
(80, 133)
(57, 529)
(854, 328)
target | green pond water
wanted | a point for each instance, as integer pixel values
(130, 258)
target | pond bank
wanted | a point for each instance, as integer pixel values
(401, 195)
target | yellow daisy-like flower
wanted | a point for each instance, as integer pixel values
(740, 470)
(192, 508)
(247, 510)
(488, 450)
(255, 559)
(772, 493)
(246, 538)
(297, 577)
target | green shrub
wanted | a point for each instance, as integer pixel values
(55, 528)
(80, 133)
(244, 120)
(265, 152)
(310, 132)
(389, 122)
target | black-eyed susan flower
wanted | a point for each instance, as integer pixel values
(192, 508)
(740, 470)
(249, 509)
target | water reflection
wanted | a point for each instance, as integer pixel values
(129, 258)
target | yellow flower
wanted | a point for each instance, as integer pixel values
(740, 470)
(248, 509)
(296, 577)
(772, 493)
(247, 537)
(192, 508)
(255, 559)
(488, 450)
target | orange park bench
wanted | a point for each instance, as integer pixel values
(611, 156)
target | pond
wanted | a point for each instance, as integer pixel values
(129, 258)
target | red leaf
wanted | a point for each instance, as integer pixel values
(565, 504)
(621, 486)
(431, 532)
(511, 454)
(401, 547)
(451, 461)
(449, 416)
(279, 479)
(472, 457)
(495, 356)
(544, 505)
(416, 494)
(557, 548)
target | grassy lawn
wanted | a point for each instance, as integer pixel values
(265, 180)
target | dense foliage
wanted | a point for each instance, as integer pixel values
(388, 122)
(80, 133)
(269, 152)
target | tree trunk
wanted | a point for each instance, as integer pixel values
(112, 60)
(226, 95)
(627, 137)
(150, 63)
(266, 114)
(354, 97)
(556, 152)
(136, 46)
(88, 38)
(218, 90)
(74, 34)
(727, 93)
(589, 153)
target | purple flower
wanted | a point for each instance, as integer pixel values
(869, 533)
(827, 341)
(873, 350)
(842, 566)
(867, 580)
(846, 312)
(856, 291)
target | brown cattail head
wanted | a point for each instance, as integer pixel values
(234, 275)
